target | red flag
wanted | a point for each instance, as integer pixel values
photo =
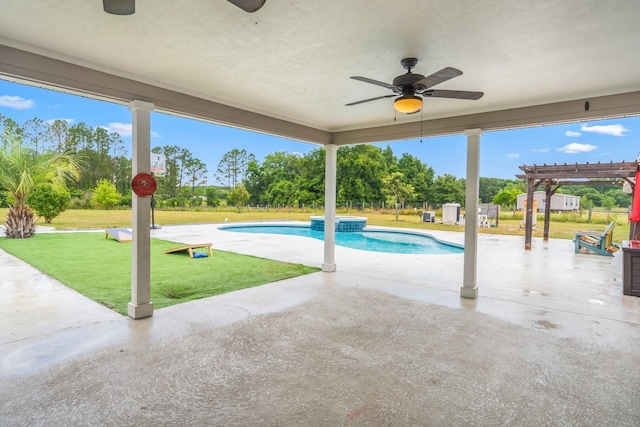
(635, 206)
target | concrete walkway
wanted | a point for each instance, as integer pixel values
(386, 340)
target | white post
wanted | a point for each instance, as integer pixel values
(331, 154)
(469, 288)
(141, 305)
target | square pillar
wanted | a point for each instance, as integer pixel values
(330, 173)
(469, 288)
(141, 305)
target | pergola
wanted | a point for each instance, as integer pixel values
(285, 70)
(555, 176)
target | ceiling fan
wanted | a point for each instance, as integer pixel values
(128, 7)
(408, 86)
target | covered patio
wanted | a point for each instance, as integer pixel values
(548, 339)
(385, 340)
(285, 70)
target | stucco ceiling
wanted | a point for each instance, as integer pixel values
(292, 60)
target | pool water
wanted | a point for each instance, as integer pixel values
(397, 242)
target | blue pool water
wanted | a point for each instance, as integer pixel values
(397, 242)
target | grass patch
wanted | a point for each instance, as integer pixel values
(101, 269)
(563, 226)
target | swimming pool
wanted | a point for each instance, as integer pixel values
(398, 242)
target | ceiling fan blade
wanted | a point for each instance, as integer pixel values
(373, 82)
(457, 94)
(119, 7)
(248, 5)
(370, 99)
(439, 77)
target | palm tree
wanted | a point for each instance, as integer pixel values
(21, 170)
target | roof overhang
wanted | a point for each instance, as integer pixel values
(285, 69)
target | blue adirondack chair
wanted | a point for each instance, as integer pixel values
(599, 243)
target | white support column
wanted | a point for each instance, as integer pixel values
(469, 288)
(330, 172)
(141, 305)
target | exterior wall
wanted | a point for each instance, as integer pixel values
(559, 202)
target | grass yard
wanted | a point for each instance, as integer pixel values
(101, 268)
(563, 226)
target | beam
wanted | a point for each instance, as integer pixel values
(30, 68)
(583, 170)
(602, 107)
(571, 182)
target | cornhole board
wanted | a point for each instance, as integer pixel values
(122, 235)
(190, 248)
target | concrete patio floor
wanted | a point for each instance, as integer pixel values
(386, 340)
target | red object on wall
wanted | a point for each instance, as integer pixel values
(635, 205)
(143, 184)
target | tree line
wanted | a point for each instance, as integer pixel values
(367, 175)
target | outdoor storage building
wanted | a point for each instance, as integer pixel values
(559, 202)
(450, 213)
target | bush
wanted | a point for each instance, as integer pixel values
(106, 194)
(126, 200)
(76, 193)
(176, 202)
(48, 201)
(84, 201)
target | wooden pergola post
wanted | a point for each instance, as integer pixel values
(548, 192)
(528, 219)
(547, 209)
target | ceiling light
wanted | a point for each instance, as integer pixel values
(119, 7)
(408, 104)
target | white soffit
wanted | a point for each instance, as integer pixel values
(292, 60)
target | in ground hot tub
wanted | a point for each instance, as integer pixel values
(343, 223)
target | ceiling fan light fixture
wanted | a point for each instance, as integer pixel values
(408, 104)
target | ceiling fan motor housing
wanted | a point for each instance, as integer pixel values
(407, 81)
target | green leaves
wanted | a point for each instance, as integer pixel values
(49, 201)
(106, 194)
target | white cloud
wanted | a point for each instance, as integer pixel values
(615, 130)
(541, 150)
(69, 121)
(572, 133)
(122, 129)
(16, 102)
(575, 148)
(513, 155)
(125, 130)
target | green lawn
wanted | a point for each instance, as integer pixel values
(563, 226)
(101, 268)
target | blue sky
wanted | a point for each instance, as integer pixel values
(500, 152)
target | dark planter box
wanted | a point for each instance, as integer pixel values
(631, 268)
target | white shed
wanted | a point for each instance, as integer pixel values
(559, 202)
(451, 213)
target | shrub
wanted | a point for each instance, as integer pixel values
(84, 201)
(48, 201)
(126, 200)
(106, 194)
